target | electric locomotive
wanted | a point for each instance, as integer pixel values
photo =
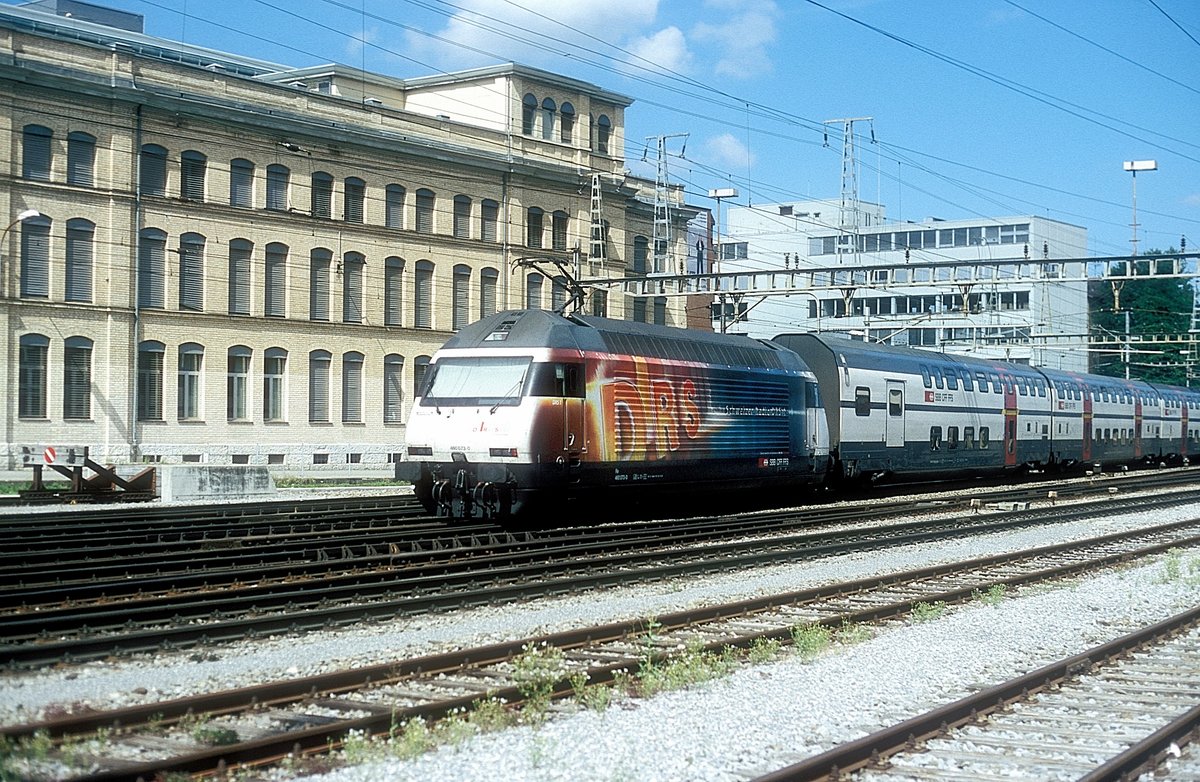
(528, 409)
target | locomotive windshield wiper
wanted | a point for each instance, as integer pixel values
(509, 394)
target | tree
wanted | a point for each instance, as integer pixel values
(1156, 306)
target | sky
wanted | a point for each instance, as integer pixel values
(978, 108)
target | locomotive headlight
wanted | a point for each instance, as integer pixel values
(509, 452)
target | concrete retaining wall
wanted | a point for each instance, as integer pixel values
(209, 483)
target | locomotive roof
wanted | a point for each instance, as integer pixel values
(542, 328)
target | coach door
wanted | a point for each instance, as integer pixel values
(894, 420)
(1010, 421)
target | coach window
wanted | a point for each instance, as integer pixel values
(862, 401)
(952, 437)
(984, 437)
(1022, 386)
(981, 378)
(968, 440)
(925, 376)
(951, 379)
(937, 377)
(895, 402)
(966, 381)
(995, 378)
(935, 438)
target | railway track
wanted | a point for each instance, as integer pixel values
(90, 619)
(1114, 712)
(269, 722)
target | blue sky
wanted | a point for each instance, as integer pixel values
(979, 107)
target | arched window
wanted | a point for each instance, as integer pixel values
(152, 273)
(534, 219)
(600, 303)
(237, 383)
(533, 291)
(393, 389)
(352, 369)
(149, 380)
(354, 199)
(420, 369)
(80, 236)
(426, 202)
(31, 382)
(279, 180)
(192, 168)
(191, 362)
(393, 206)
(529, 105)
(558, 294)
(567, 123)
(423, 295)
(81, 159)
(641, 254)
(558, 229)
(191, 272)
(274, 387)
(393, 292)
(322, 194)
(603, 134)
(318, 385)
(548, 110)
(241, 183)
(35, 161)
(152, 178)
(489, 216)
(319, 262)
(352, 287)
(275, 280)
(488, 283)
(35, 258)
(462, 217)
(240, 251)
(77, 379)
(461, 305)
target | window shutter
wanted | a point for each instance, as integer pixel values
(322, 195)
(192, 167)
(355, 195)
(352, 387)
(462, 302)
(36, 162)
(318, 386)
(277, 188)
(79, 261)
(422, 293)
(352, 290)
(489, 213)
(150, 270)
(81, 159)
(318, 291)
(487, 292)
(393, 396)
(393, 280)
(153, 179)
(241, 183)
(394, 207)
(34, 349)
(239, 279)
(425, 207)
(191, 274)
(35, 259)
(274, 290)
(77, 378)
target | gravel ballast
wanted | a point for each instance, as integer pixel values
(759, 718)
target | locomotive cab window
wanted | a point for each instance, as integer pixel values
(862, 401)
(556, 378)
(812, 395)
(476, 380)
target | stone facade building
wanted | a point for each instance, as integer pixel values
(210, 258)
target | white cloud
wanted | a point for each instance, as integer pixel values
(534, 32)
(739, 42)
(667, 49)
(727, 153)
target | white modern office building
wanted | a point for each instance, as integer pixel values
(1026, 315)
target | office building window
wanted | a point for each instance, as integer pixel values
(533, 291)
(35, 258)
(191, 272)
(237, 383)
(489, 217)
(240, 251)
(35, 161)
(352, 288)
(192, 168)
(318, 385)
(80, 234)
(274, 387)
(488, 284)
(426, 203)
(278, 183)
(151, 280)
(423, 295)
(322, 194)
(393, 206)
(31, 383)
(461, 297)
(81, 159)
(77, 379)
(393, 390)
(462, 217)
(241, 183)
(352, 367)
(275, 280)
(354, 198)
(191, 361)
(150, 380)
(318, 284)
(393, 292)
(534, 227)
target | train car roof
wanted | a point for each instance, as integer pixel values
(543, 328)
(873, 354)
